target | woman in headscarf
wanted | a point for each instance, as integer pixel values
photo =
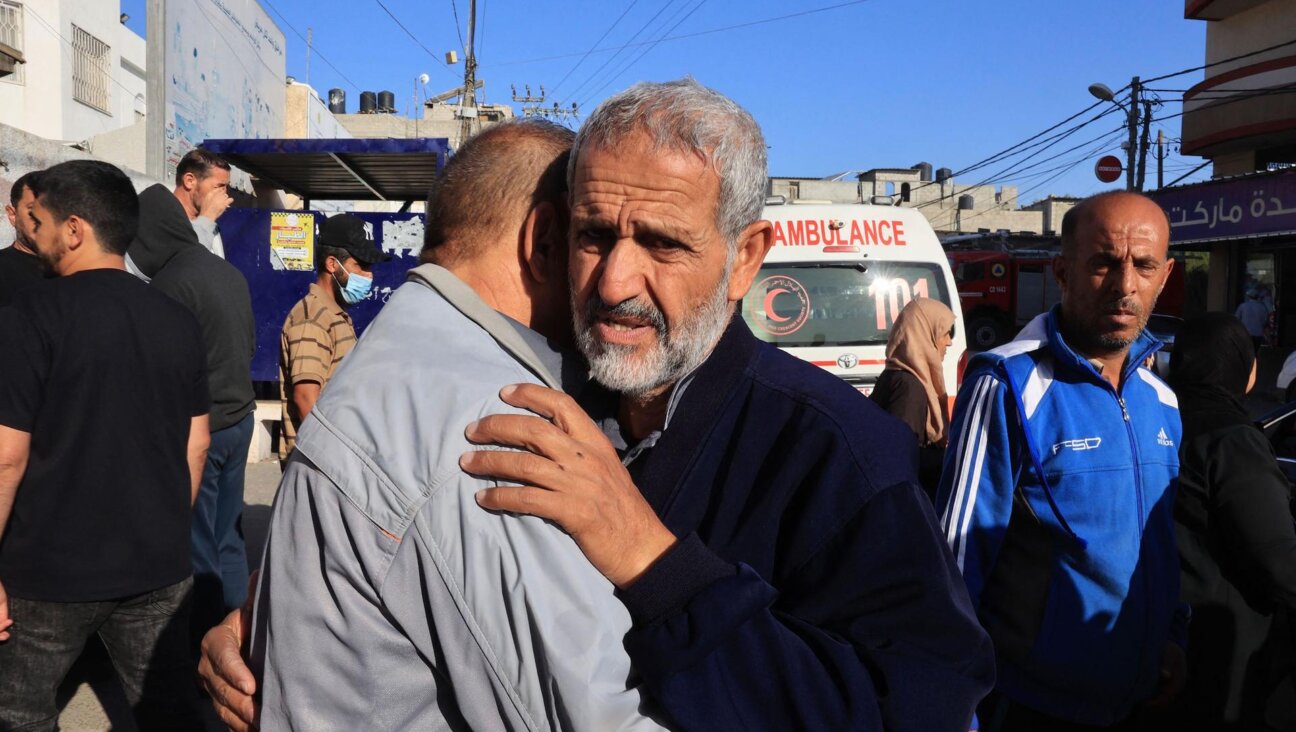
(912, 385)
(1237, 544)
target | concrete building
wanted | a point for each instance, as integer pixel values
(949, 206)
(1239, 229)
(438, 120)
(84, 72)
(1053, 209)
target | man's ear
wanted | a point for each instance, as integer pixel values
(1060, 272)
(12, 213)
(1165, 276)
(75, 232)
(753, 243)
(543, 241)
(189, 182)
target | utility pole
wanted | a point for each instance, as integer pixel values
(468, 100)
(1143, 143)
(310, 35)
(1132, 150)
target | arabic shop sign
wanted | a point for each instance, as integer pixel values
(1231, 209)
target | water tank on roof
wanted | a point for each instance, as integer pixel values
(967, 202)
(386, 102)
(337, 101)
(924, 172)
(943, 174)
(368, 102)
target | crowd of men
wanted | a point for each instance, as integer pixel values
(559, 484)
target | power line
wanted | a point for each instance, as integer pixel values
(617, 74)
(1062, 170)
(1040, 145)
(1185, 175)
(619, 51)
(1223, 101)
(1022, 146)
(454, 8)
(689, 35)
(1004, 174)
(595, 45)
(314, 49)
(1222, 61)
(481, 34)
(414, 38)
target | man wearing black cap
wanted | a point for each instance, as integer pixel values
(318, 333)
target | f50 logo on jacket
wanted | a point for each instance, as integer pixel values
(1079, 445)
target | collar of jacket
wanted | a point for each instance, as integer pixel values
(661, 474)
(1065, 357)
(466, 300)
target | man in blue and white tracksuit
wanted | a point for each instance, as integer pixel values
(1058, 487)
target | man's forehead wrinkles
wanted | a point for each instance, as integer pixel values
(659, 187)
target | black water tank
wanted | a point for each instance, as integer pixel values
(368, 102)
(386, 102)
(967, 202)
(924, 172)
(337, 101)
(943, 174)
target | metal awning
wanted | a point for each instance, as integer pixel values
(381, 169)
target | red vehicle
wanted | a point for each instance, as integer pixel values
(1001, 291)
(1003, 288)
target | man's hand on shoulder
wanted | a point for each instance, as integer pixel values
(571, 475)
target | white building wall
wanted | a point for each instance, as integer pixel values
(43, 103)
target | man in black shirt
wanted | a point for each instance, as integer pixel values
(19, 265)
(167, 250)
(103, 435)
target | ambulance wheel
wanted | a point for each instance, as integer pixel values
(985, 332)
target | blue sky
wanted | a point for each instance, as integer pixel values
(879, 83)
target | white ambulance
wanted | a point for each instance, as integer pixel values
(836, 278)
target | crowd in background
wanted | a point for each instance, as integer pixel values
(697, 531)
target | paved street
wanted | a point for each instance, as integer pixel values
(93, 702)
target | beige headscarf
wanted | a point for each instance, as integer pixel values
(912, 347)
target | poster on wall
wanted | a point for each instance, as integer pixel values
(292, 241)
(223, 76)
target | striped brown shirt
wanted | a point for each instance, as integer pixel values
(316, 335)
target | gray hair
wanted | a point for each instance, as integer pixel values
(685, 116)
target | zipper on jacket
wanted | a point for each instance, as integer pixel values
(1124, 411)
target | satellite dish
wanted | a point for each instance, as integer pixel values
(424, 78)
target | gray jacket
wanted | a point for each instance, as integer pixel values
(388, 598)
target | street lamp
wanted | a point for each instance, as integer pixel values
(1104, 93)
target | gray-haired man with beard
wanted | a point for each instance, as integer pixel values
(388, 599)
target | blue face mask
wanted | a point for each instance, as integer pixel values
(357, 287)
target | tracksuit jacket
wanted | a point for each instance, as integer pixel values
(1057, 500)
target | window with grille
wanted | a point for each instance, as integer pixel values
(91, 69)
(11, 34)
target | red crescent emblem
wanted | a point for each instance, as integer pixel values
(769, 305)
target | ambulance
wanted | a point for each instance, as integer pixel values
(837, 276)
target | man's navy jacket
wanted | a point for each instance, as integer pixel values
(811, 587)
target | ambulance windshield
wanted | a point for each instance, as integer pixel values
(838, 304)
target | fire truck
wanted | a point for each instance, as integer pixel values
(1005, 279)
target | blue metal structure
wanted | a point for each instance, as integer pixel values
(380, 169)
(246, 233)
(333, 170)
